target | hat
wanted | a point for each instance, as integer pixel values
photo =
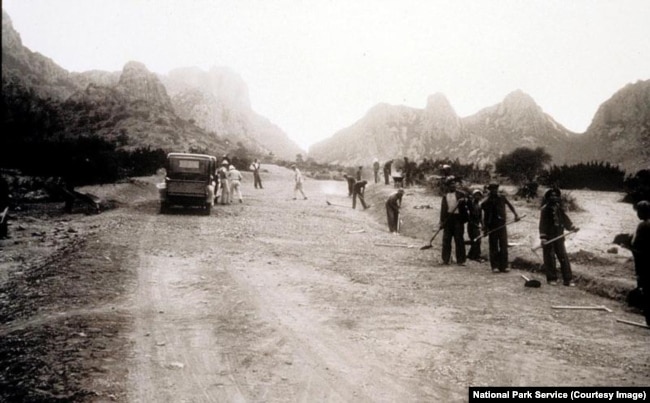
(493, 185)
(642, 209)
(293, 165)
(230, 168)
(224, 163)
(451, 179)
(400, 190)
(477, 191)
(552, 191)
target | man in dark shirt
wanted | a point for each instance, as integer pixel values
(375, 169)
(453, 216)
(351, 181)
(641, 253)
(494, 223)
(4, 208)
(387, 171)
(358, 192)
(552, 223)
(474, 225)
(393, 205)
(639, 244)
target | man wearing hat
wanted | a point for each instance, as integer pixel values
(474, 225)
(454, 214)
(234, 179)
(494, 224)
(393, 204)
(552, 223)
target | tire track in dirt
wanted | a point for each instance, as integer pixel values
(175, 352)
(282, 300)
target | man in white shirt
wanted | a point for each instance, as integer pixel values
(298, 183)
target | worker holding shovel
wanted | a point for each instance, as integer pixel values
(454, 213)
(393, 205)
(474, 225)
(495, 226)
(552, 223)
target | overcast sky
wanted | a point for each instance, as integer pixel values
(314, 67)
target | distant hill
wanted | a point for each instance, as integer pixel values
(437, 132)
(218, 101)
(133, 106)
(620, 130)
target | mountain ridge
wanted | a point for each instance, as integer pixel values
(619, 132)
(190, 108)
(135, 103)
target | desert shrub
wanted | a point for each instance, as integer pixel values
(522, 165)
(570, 203)
(637, 187)
(528, 191)
(593, 175)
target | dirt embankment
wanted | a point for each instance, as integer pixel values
(283, 300)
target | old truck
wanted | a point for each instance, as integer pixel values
(189, 182)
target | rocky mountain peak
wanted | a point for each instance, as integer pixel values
(439, 102)
(137, 83)
(519, 102)
(630, 104)
(620, 131)
(219, 83)
(10, 37)
(35, 71)
(379, 111)
(439, 118)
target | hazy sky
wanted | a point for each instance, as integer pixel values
(314, 67)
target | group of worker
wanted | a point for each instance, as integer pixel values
(228, 181)
(487, 217)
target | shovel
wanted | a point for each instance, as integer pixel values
(430, 245)
(332, 204)
(399, 222)
(4, 214)
(550, 241)
(531, 283)
(629, 322)
(497, 228)
(395, 245)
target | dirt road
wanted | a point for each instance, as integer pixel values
(293, 300)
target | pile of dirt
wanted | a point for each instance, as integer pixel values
(584, 257)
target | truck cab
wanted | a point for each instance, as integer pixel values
(189, 181)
